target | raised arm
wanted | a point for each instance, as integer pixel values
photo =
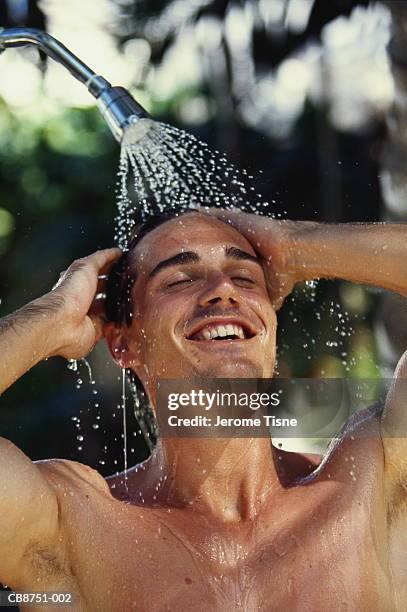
(294, 251)
(65, 322)
(375, 254)
(371, 253)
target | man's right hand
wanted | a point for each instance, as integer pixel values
(80, 314)
(67, 321)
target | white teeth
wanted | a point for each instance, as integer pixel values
(230, 330)
(220, 331)
(217, 331)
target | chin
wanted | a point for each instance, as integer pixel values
(231, 369)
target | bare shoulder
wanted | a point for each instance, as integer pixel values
(21, 479)
(27, 501)
(401, 370)
(358, 441)
(394, 434)
(398, 547)
(394, 417)
(63, 473)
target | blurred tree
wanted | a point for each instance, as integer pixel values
(57, 176)
(273, 38)
(274, 30)
(392, 322)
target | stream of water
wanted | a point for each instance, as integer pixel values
(167, 167)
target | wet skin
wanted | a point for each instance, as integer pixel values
(217, 524)
(214, 280)
(323, 545)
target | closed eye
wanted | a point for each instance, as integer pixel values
(180, 282)
(243, 279)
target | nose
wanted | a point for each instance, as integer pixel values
(220, 289)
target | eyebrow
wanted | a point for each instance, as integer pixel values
(187, 257)
(235, 253)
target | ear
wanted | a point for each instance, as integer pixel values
(116, 340)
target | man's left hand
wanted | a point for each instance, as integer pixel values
(274, 240)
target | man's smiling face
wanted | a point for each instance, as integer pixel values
(200, 304)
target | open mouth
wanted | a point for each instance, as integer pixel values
(222, 331)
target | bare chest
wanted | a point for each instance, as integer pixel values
(322, 549)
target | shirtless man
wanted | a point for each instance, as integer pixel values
(224, 533)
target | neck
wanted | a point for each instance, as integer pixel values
(230, 479)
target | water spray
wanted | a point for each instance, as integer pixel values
(119, 109)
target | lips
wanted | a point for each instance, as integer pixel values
(221, 329)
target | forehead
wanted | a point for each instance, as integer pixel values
(203, 234)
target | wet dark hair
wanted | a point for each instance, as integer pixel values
(118, 308)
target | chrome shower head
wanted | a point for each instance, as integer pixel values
(120, 110)
(118, 107)
(136, 130)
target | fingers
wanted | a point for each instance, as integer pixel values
(240, 220)
(103, 259)
(97, 308)
(102, 279)
(100, 262)
(279, 285)
(98, 324)
(221, 213)
(96, 312)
